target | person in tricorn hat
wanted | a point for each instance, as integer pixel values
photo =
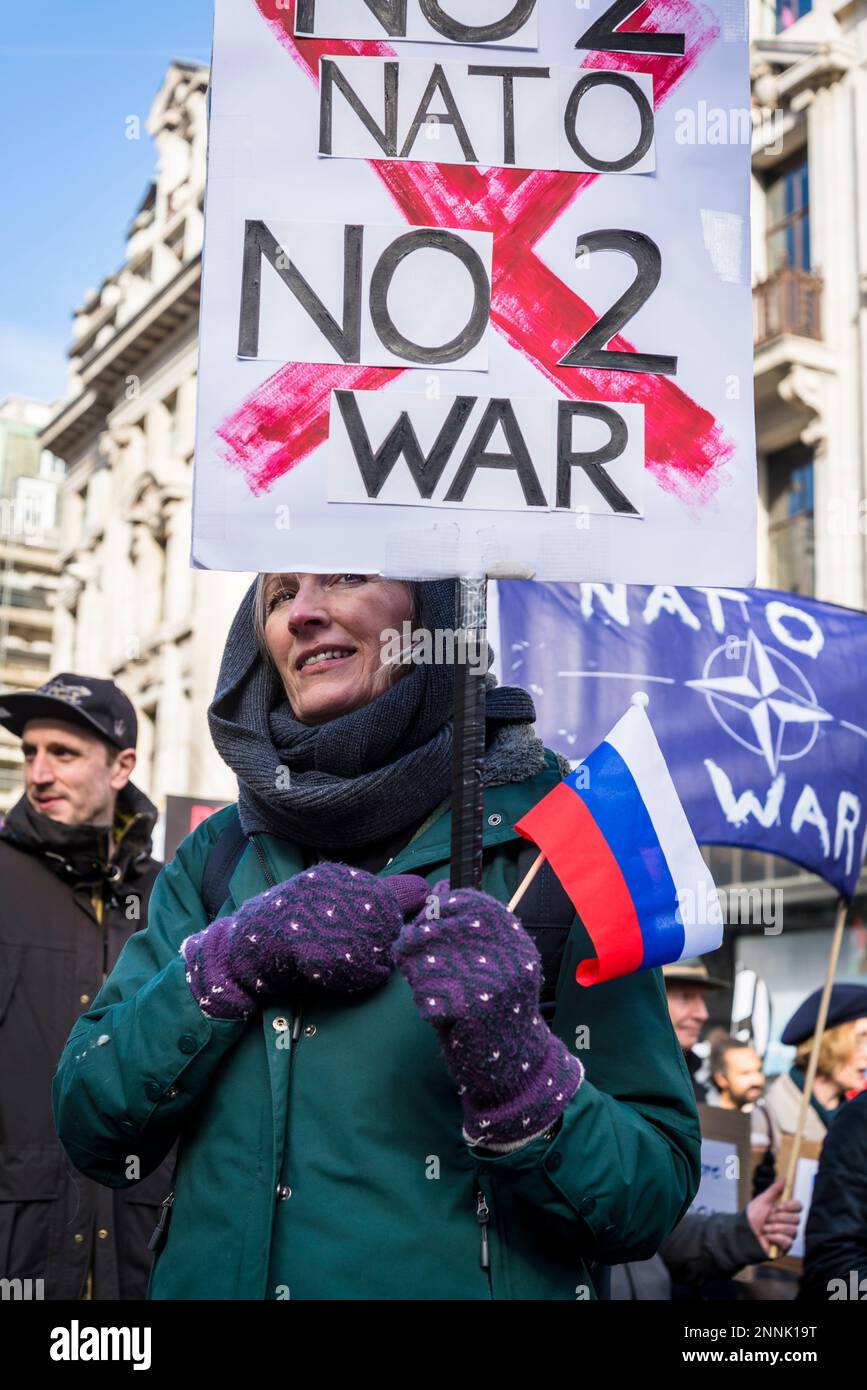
(76, 870)
(842, 1060)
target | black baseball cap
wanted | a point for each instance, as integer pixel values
(97, 705)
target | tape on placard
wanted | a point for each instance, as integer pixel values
(724, 242)
(412, 552)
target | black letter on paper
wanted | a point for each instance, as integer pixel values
(259, 242)
(645, 112)
(390, 336)
(601, 34)
(508, 75)
(590, 351)
(439, 82)
(592, 463)
(390, 13)
(426, 469)
(498, 412)
(477, 33)
(386, 138)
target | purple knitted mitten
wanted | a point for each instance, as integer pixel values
(330, 925)
(475, 975)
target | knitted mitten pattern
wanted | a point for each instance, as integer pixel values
(475, 975)
(330, 925)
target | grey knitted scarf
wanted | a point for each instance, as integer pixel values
(365, 775)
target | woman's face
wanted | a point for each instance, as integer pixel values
(339, 620)
(849, 1074)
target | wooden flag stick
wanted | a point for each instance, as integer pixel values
(527, 880)
(836, 943)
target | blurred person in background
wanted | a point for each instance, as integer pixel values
(842, 1061)
(706, 1249)
(736, 1073)
(835, 1241)
(76, 873)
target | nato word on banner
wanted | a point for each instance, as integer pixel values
(470, 303)
(757, 699)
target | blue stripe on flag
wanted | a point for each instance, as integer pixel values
(613, 799)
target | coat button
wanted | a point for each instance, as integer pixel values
(553, 1161)
(103, 1234)
(283, 1193)
(153, 1090)
(187, 1043)
(172, 1092)
(588, 1205)
(310, 1030)
(84, 999)
(279, 1025)
(495, 819)
(78, 1238)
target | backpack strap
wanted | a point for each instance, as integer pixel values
(227, 850)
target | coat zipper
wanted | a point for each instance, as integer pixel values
(483, 1216)
(158, 1238)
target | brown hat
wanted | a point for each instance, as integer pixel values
(693, 972)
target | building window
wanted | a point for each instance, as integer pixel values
(788, 219)
(790, 518)
(790, 11)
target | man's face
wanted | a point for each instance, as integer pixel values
(687, 1010)
(742, 1076)
(72, 776)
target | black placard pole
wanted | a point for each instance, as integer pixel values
(469, 733)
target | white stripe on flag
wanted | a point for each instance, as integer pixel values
(635, 741)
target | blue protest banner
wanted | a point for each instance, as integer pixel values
(757, 699)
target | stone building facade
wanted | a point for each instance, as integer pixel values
(809, 230)
(129, 605)
(29, 482)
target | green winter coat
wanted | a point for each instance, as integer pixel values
(333, 1167)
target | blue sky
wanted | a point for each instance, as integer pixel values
(70, 74)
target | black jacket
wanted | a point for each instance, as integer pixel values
(835, 1241)
(66, 911)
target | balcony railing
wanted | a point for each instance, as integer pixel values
(789, 302)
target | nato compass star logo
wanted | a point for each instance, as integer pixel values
(768, 707)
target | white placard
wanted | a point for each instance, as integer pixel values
(498, 23)
(717, 1189)
(605, 289)
(494, 454)
(517, 115)
(805, 1181)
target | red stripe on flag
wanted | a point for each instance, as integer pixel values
(568, 836)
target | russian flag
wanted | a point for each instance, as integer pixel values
(617, 837)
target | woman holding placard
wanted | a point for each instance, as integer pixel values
(380, 1087)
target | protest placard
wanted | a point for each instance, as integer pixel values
(476, 291)
(724, 1185)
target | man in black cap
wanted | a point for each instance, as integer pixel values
(76, 873)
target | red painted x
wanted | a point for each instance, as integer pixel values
(286, 418)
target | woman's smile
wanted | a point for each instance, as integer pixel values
(322, 658)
